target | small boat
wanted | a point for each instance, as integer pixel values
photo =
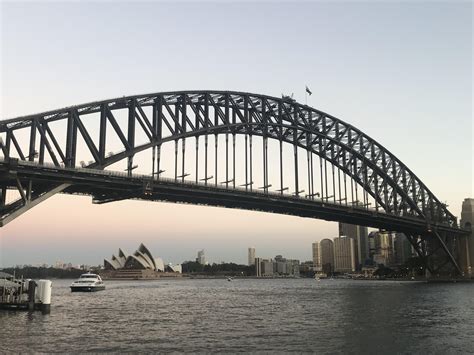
(88, 283)
(317, 278)
(230, 279)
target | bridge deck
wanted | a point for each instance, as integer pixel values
(108, 186)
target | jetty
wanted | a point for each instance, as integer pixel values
(24, 294)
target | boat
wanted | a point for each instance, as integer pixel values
(88, 283)
(230, 278)
(320, 275)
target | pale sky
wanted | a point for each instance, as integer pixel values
(399, 71)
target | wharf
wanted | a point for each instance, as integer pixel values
(20, 294)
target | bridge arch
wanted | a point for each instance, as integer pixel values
(177, 116)
(395, 188)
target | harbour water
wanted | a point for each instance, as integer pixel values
(275, 315)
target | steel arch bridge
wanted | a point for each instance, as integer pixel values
(310, 163)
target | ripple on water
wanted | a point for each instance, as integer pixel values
(284, 315)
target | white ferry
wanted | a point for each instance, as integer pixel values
(88, 283)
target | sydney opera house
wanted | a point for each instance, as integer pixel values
(139, 265)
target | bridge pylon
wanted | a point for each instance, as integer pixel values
(465, 243)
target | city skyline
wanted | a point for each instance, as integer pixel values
(397, 67)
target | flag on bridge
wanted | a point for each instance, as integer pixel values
(308, 90)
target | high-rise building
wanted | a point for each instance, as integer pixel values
(287, 267)
(326, 250)
(317, 257)
(281, 268)
(361, 244)
(402, 248)
(201, 258)
(251, 256)
(258, 267)
(344, 254)
(372, 249)
(293, 267)
(383, 253)
(267, 268)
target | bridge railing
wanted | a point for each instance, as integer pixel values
(192, 183)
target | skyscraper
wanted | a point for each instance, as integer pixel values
(251, 256)
(402, 248)
(201, 258)
(361, 244)
(317, 257)
(344, 254)
(326, 251)
(384, 248)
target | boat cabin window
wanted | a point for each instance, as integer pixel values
(88, 276)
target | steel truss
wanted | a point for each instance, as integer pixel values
(178, 116)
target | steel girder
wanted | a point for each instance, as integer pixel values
(435, 246)
(407, 203)
(395, 188)
(106, 186)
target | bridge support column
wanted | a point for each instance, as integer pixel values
(3, 196)
(441, 252)
(438, 251)
(463, 254)
(466, 243)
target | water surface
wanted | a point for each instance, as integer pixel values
(279, 315)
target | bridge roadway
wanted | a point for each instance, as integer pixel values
(108, 186)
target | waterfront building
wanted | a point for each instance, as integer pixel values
(251, 256)
(116, 262)
(306, 267)
(371, 241)
(384, 248)
(279, 266)
(344, 254)
(139, 265)
(142, 259)
(201, 258)
(293, 267)
(266, 268)
(286, 267)
(258, 267)
(326, 250)
(402, 248)
(316, 257)
(174, 268)
(360, 236)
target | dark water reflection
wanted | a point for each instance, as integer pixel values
(300, 315)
